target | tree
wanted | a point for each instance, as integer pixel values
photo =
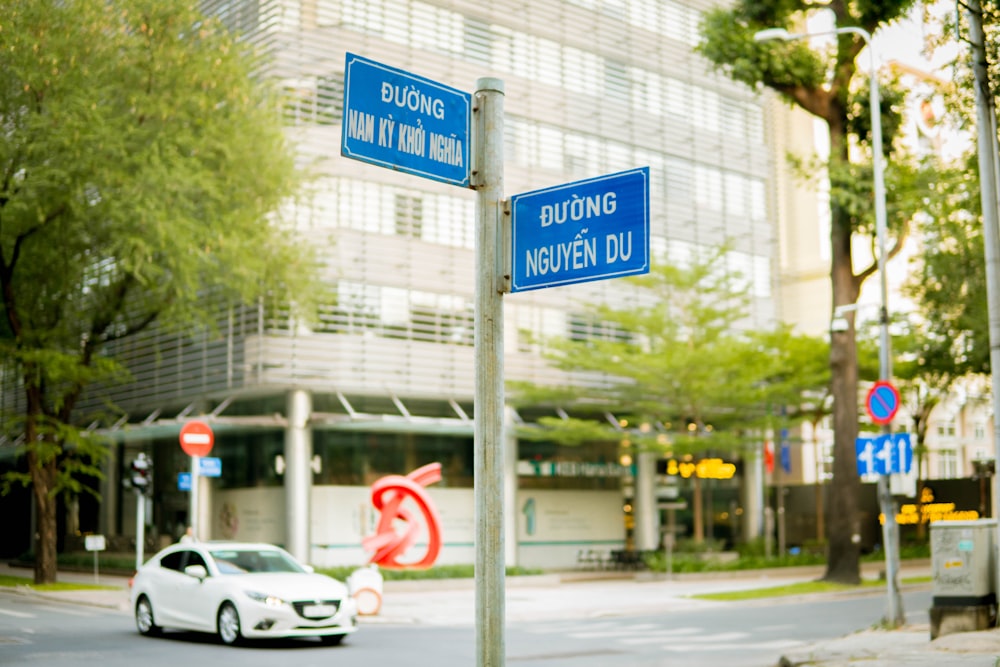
(822, 82)
(677, 360)
(140, 158)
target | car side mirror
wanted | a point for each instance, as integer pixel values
(308, 568)
(196, 571)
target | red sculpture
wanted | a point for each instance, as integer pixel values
(388, 495)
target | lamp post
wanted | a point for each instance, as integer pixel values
(889, 527)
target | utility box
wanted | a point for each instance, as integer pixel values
(963, 563)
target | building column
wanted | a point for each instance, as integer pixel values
(204, 519)
(298, 474)
(645, 511)
(510, 482)
(753, 493)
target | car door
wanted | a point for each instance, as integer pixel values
(193, 602)
(163, 592)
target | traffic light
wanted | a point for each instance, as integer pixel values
(142, 470)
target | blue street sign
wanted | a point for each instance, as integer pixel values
(577, 232)
(183, 481)
(786, 452)
(884, 454)
(402, 121)
(210, 466)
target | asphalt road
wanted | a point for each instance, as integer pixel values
(43, 633)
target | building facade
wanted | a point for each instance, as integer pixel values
(307, 415)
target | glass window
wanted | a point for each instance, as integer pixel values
(616, 80)
(172, 561)
(705, 109)
(546, 465)
(679, 180)
(736, 195)
(478, 41)
(360, 459)
(397, 21)
(758, 200)
(409, 215)
(248, 459)
(242, 561)
(708, 188)
(947, 464)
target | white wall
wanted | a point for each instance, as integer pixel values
(566, 522)
(562, 523)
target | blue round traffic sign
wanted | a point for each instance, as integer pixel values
(882, 402)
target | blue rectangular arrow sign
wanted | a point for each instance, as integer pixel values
(884, 454)
(402, 121)
(868, 462)
(577, 232)
(901, 451)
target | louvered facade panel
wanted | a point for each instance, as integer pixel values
(361, 365)
(592, 87)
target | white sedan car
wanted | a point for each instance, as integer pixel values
(239, 591)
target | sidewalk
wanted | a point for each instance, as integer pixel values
(600, 594)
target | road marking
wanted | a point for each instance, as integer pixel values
(17, 614)
(690, 638)
(774, 628)
(67, 611)
(779, 644)
(675, 639)
(617, 631)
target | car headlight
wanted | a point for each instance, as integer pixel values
(263, 598)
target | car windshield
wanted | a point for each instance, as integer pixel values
(242, 561)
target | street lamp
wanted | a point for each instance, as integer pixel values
(889, 529)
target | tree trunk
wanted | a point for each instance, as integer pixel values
(699, 521)
(820, 472)
(921, 454)
(42, 480)
(844, 544)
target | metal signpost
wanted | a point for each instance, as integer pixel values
(402, 121)
(488, 451)
(577, 232)
(196, 440)
(95, 543)
(141, 481)
(588, 230)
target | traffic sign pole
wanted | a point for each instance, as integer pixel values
(196, 440)
(491, 281)
(194, 498)
(140, 529)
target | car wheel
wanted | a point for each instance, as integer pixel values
(229, 624)
(144, 617)
(331, 640)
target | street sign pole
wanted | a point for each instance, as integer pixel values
(487, 179)
(194, 497)
(196, 440)
(140, 528)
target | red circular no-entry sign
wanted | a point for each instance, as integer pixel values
(197, 438)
